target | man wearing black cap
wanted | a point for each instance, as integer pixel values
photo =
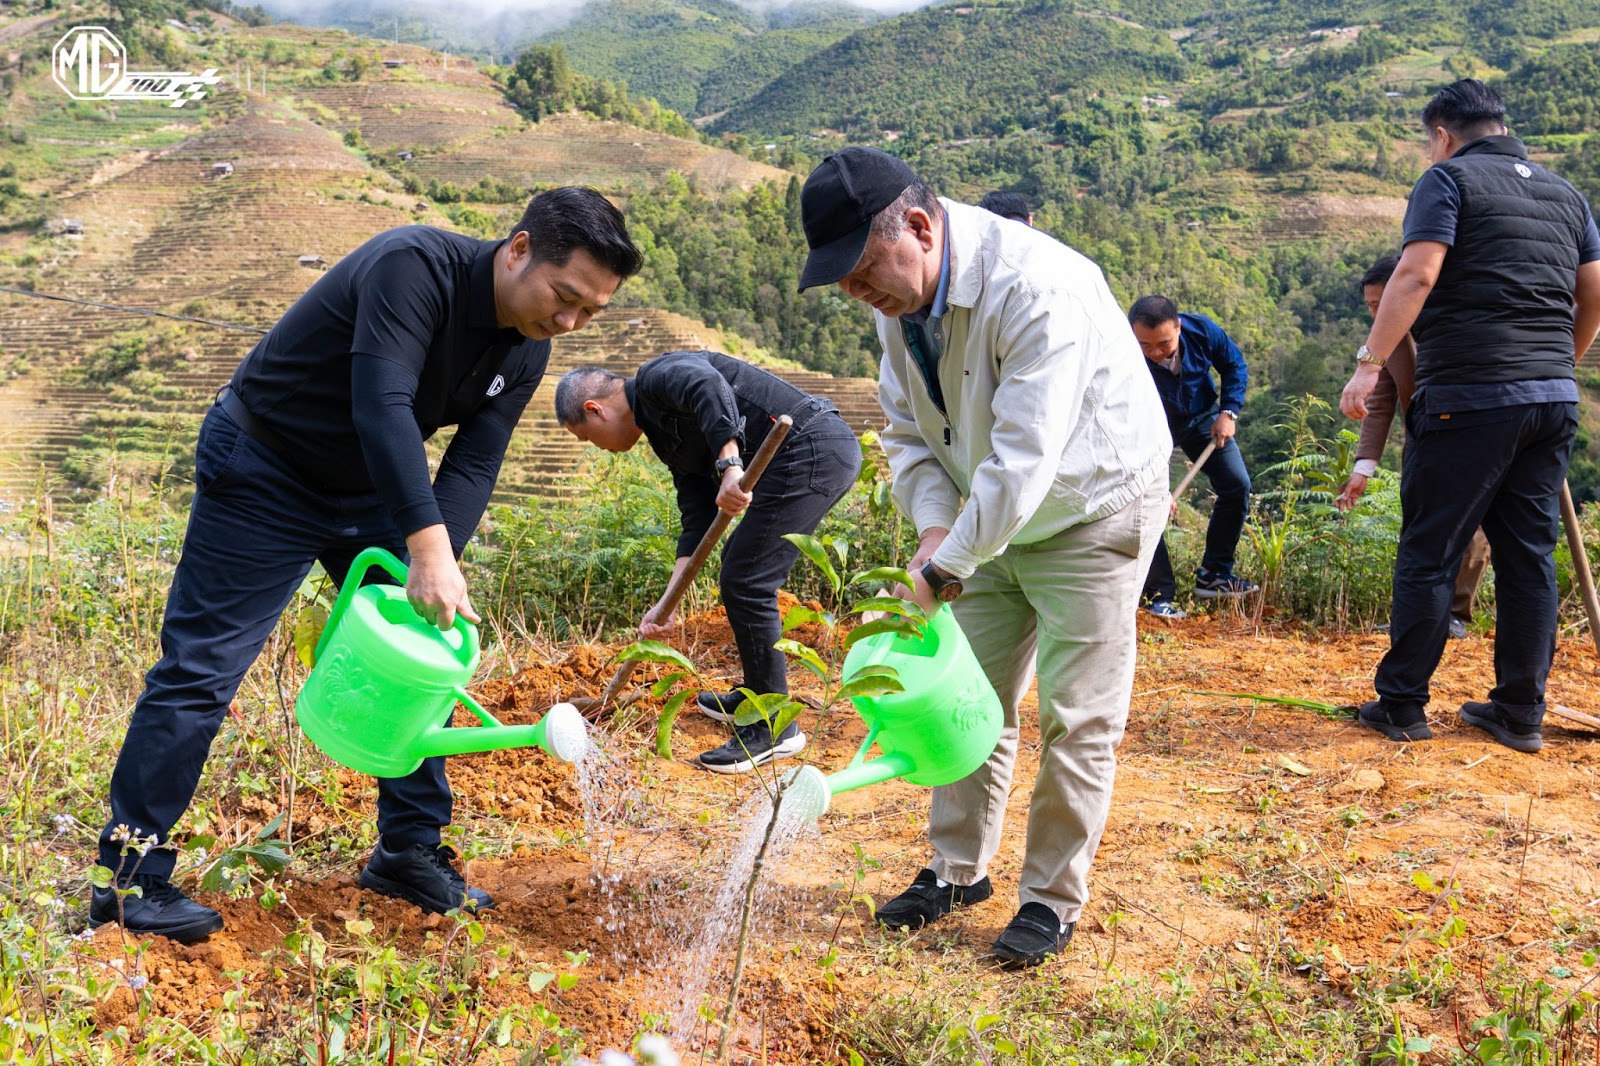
(1499, 286)
(1011, 382)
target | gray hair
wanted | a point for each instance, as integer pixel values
(578, 387)
(889, 223)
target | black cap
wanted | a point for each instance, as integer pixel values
(837, 205)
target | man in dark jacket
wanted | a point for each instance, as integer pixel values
(1180, 351)
(705, 414)
(314, 451)
(1499, 285)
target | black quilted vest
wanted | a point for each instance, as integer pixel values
(1502, 307)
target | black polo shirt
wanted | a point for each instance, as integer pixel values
(397, 340)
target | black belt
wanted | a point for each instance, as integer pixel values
(235, 409)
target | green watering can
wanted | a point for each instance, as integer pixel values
(386, 682)
(940, 729)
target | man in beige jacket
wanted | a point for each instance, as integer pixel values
(1025, 443)
(1396, 382)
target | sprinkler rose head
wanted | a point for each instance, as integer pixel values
(566, 733)
(805, 795)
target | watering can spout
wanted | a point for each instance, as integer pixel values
(808, 793)
(561, 732)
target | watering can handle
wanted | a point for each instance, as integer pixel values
(476, 708)
(369, 558)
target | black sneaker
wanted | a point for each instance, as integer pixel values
(752, 746)
(1211, 585)
(1412, 726)
(1518, 736)
(719, 706)
(160, 910)
(1458, 628)
(1033, 936)
(422, 874)
(926, 901)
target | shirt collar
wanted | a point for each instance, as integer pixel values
(481, 310)
(1499, 144)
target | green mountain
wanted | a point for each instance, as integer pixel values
(699, 57)
(959, 69)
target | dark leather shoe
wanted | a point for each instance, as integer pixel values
(159, 909)
(1033, 936)
(422, 874)
(1402, 726)
(926, 902)
(1518, 736)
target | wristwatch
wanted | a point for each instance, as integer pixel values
(945, 588)
(1365, 357)
(723, 465)
(1231, 414)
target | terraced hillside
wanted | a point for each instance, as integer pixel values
(90, 397)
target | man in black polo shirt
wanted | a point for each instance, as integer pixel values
(1499, 285)
(314, 451)
(705, 415)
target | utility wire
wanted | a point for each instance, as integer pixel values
(150, 312)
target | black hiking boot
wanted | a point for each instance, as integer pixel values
(422, 874)
(159, 909)
(1410, 724)
(1033, 936)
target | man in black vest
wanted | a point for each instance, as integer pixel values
(706, 415)
(1499, 285)
(314, 451)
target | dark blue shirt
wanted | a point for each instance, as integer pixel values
(1432, 215)
(398, 339)
(1189, 396)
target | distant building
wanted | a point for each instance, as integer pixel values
(314, 261)
(392, 63)
(221, 170)
(405, 157)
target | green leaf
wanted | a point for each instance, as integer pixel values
(669, 714)
(309, 622)
(893, 575)
(653, 651)
(892, 604)
(101, 876)
(905, 626)
(800, 615)
(272, 827)
(807, 656)
(812, 549)
(841, 548)
(566, 981)
(767, 707)
(871, 685)
(538, 980)
(662, 687)
(1418, 1045)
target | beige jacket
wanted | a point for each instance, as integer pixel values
(1053, 419)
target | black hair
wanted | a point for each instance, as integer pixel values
(1011, 205)
(560, 221)
(1467, 107)
(577, 387)
(1152, 311)
(1380, 272)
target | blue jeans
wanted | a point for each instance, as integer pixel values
(1502, 469)
(254, 530)
(1231, 482)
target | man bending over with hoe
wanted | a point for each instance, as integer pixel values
(705, 415)
(314, 451)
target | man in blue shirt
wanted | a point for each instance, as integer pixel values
(314, 451)
(1499, 285)
(1181, 351)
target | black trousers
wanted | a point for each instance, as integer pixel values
(254, 530)
(1502, 469)
(1231, 482)
(809, 474)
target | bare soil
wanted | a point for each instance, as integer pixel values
(1238, 826)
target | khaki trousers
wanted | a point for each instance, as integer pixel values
(1070, 604)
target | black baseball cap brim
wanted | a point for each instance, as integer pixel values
(833, 261)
